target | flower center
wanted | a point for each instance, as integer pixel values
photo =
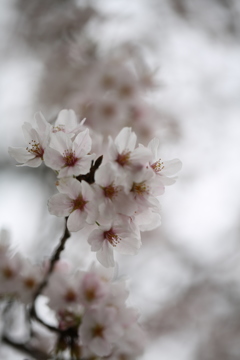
(69, 158)
(90, 294)
(79, 203)
(70, 296)
(108, 81)
(108, 110)
(140, 188)
(29, 282)
(35, 149)
(112, 237)
(8, 272)
(110, 191)
(157, 166)
(123, 159)
(97, 331)
(126, 91)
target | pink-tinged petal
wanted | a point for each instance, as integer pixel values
(124, 205)
(76, 220)
(91, 209)
(69, 186)
(154, 146)
(171, 167)
(113, 151)
(129, 245)
(61, 142)
(105, 175)
(105, 255)
(148, 220)
(141, 155)
(26, 128)
(67, 118)
(35, 136)
(167, 180)
(42, 124)
(60, 205)
(20, 154)
(100, 346)
(87, 191)
(83, 142)
(96, 239)
(53, 159)
(126, 140)
(83, 165)
(33, 162)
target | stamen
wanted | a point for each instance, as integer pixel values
(35, 149)
(140, 188)
(112, 237)
(123, 159)
(97, 331)
(58, 128)
(110, 191)
(157, 166)
(69, 158)
(79, 203)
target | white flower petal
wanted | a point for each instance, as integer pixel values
(33, 162)
(126, 140)
(67, 118)
(69, 186)
(20, 154)
(60, 142)
(60, 205)
(83, 142)
(53, 159)
(95, 239)
(171, 167)
(100, 346)
(105, 255)
(76, 220)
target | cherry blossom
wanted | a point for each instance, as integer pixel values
(68, 122)
(163, 169)
(76, 201)
(99, 330)
(37, 137)
(112, 193)
(123, 153)
(123, 236)
(69, 157)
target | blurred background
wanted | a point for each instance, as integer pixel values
(167, 68)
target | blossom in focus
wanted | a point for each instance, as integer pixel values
(67, 122)
(69, 157)
(163, 169)
(37, 137)
(123, 153)
(76, 201)
(123, 237)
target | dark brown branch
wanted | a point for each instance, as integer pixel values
(55, 257)
(26, 349)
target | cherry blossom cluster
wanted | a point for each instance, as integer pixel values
(116, 197)
(93, 305)
(19, 278)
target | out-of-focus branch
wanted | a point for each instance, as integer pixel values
(25, 348)
(55, 257)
